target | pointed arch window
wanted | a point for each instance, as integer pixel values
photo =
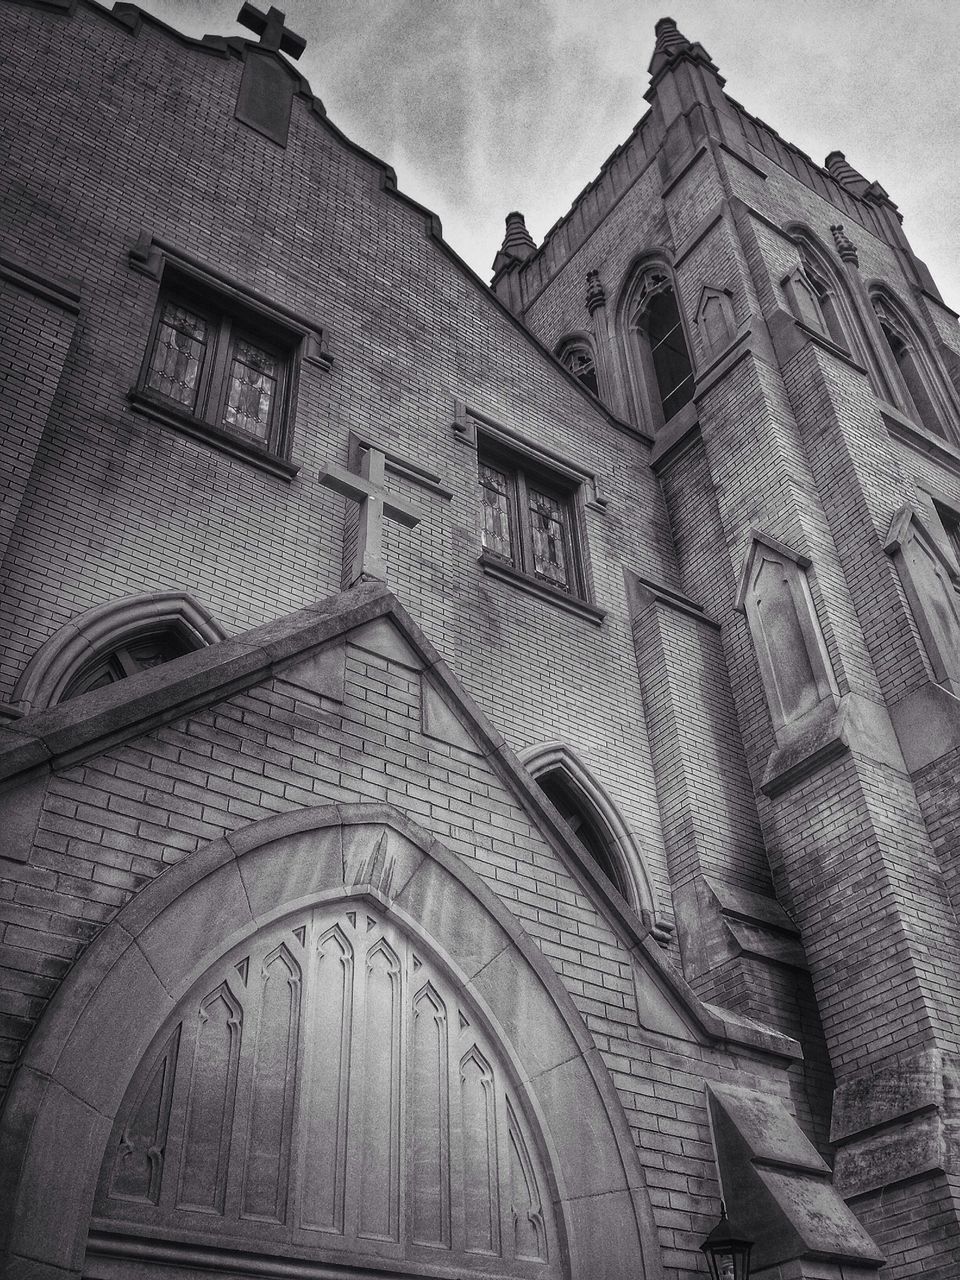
(659, 344)
(577, 814)
(575, 354)
(595, 820)
(915, 376)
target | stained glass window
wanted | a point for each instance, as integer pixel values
(252, 389)
(528, 523)
(547, 526)
(497, 494)
(211, 361)
(178, 354)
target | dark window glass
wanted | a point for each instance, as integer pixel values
(584, 825)
(581, 364)
(668, 350)
(497, 493)
(127, 659)
(179, 350)
(920, 404)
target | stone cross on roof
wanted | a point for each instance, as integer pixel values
(269, 27)
(376, 504)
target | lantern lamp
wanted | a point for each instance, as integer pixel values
(727, 1252)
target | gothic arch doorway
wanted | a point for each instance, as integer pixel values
(337, 969)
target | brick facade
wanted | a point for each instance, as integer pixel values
(777, 998)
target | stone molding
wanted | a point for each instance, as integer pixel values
(558, 755)
(778, 1189)
(51, 668)
(72, 1078)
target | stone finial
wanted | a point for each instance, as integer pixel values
(845, 246)
(671, 44)
(518, 243)
(669, 38)
(839, 167)
(596, 298)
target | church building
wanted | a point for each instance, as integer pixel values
(478, 763)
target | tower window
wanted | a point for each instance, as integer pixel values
(915, 385)
(578, 358)
(667, 367)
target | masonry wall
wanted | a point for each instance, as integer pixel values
(118, 504)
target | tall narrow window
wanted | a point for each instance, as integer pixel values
(656, 347)
(916, 383)
(668, 350)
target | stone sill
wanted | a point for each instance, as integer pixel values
(217, 437)
(900, 427)
(534, 587)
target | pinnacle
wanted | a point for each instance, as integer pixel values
(669, 39)
(518, 243)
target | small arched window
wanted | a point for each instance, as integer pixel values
(138, 653)
(584, 825)
(111, 642)
(916, 379)
(657, 344)
(575, 354)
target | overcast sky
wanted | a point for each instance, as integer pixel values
(483, 106)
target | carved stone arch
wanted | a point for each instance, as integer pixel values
(194, 929)
(919, 387)
(576, 352)
(624, 844)
(648, 285)
(99, 631)
(930, 583)
(831, 307)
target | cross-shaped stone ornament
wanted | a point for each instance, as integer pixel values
(269, 27)
(376, 504)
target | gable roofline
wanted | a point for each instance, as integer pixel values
(131, 17)
(98, 720)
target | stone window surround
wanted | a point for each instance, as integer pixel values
(634, 353)
(573, 344)
(486, 435)
(908, 529)
(898, 319)
(298, 340)
(97, 632)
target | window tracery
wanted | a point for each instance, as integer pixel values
(576, 356)
(657, 345)
(915, 378)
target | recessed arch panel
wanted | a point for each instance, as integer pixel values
(273, 955)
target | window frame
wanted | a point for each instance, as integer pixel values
(520, 472)
(649, 277)
(916, 384)
(568, 349)
(235, 311)
(228, 324)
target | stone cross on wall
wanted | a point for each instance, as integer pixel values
(376, 504)
(269, 27)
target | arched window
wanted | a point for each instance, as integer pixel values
(819, 298)
(111, 642)
(916, 381)
(575, 355)
(138, 653)
(657, 344)
(593, 818)
(576, 814)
